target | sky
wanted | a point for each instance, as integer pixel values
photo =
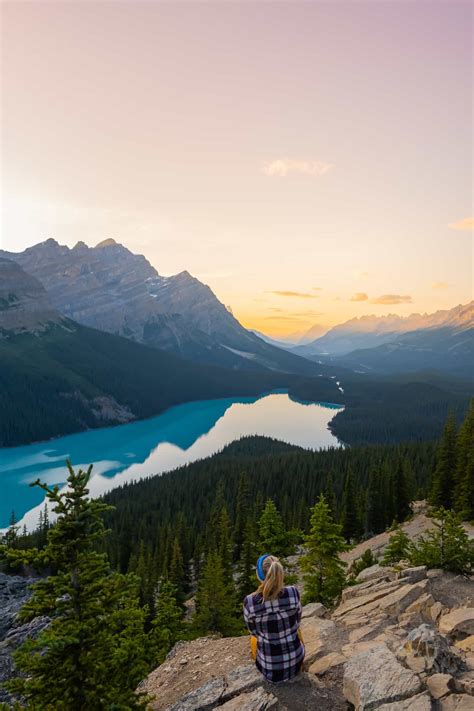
(310, 161)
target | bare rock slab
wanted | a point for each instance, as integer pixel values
(314, 609)
(376, 677)
(421, 702)
(458, 621)
(205, 698)
(439, 685)
(257, 700)
(315, 631)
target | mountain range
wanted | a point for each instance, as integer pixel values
(58, 376)
(109, 288)
(442, 341)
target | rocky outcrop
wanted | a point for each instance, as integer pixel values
(380, 649)
(14, 592)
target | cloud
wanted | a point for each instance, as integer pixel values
(281, 168)
(440, 285)
(281, 318)
(466, 224)
(297, 294)
(392, 299)
(360, 296)
(317, 288)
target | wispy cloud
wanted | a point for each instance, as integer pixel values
(440, 285)
(317, 288)
(296, 294)
(360, 296)
(392, 299)
(466, 224)
(281, 168)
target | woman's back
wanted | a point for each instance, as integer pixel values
(275, 624)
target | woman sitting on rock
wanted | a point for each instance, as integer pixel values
(273, 615)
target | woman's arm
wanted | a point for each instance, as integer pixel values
(249, 618)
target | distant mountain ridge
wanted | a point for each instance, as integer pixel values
(372, 331)
(109, 288)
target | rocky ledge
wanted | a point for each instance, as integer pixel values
(394, 643)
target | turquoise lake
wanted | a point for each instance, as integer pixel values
(178, 436)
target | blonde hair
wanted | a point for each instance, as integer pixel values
(273, 584)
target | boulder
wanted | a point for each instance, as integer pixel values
(316, 632)
(426, 643)
(366, 600)
(314, 609)
(436, 611)
(439, 685)
(460, 621)
(421, 606)
(420, 702)
(367, 588)
(464, 683)
(257, 700)
(375, 571)
(242, 679)
(323, 664)
(376, 677)
(205, 698)
(398, 601)
(413, 575)
(455, 702)
(467, 644)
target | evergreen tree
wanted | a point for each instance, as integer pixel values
(464, 480)
(398, 547)
(247, 581)
(401, 492)
(324, 574)
(273, 537)
(241, 515)
(10, 539)
(167, 623)
(330, 496)
(93, 652)
(215, 601)
(446, 546)
(366, 560)
(374, 520)
(224, 537)
(176, 570)
(442, 489)
(350, 517)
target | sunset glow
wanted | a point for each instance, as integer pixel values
(311, 162)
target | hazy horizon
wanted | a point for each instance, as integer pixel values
(311, 162)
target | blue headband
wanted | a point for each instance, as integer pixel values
(260, 573)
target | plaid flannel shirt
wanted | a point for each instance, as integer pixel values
(275, 624)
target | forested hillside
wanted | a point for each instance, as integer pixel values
(67, 380)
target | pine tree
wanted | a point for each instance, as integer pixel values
(350, 518)
(241, 515)
(464, 480)
(224, 543)
(10, 539)
(324, 574)
(167, 623)
(442, 489)
(374, 522)
(215, 601)
(93, 653)
(273, 537)
(401, 492)
(330, 496)
(176, 570)
(398, 547)
(446, 546)
(247, 581)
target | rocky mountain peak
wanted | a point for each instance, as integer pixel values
(110, 242)
(24, 304)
